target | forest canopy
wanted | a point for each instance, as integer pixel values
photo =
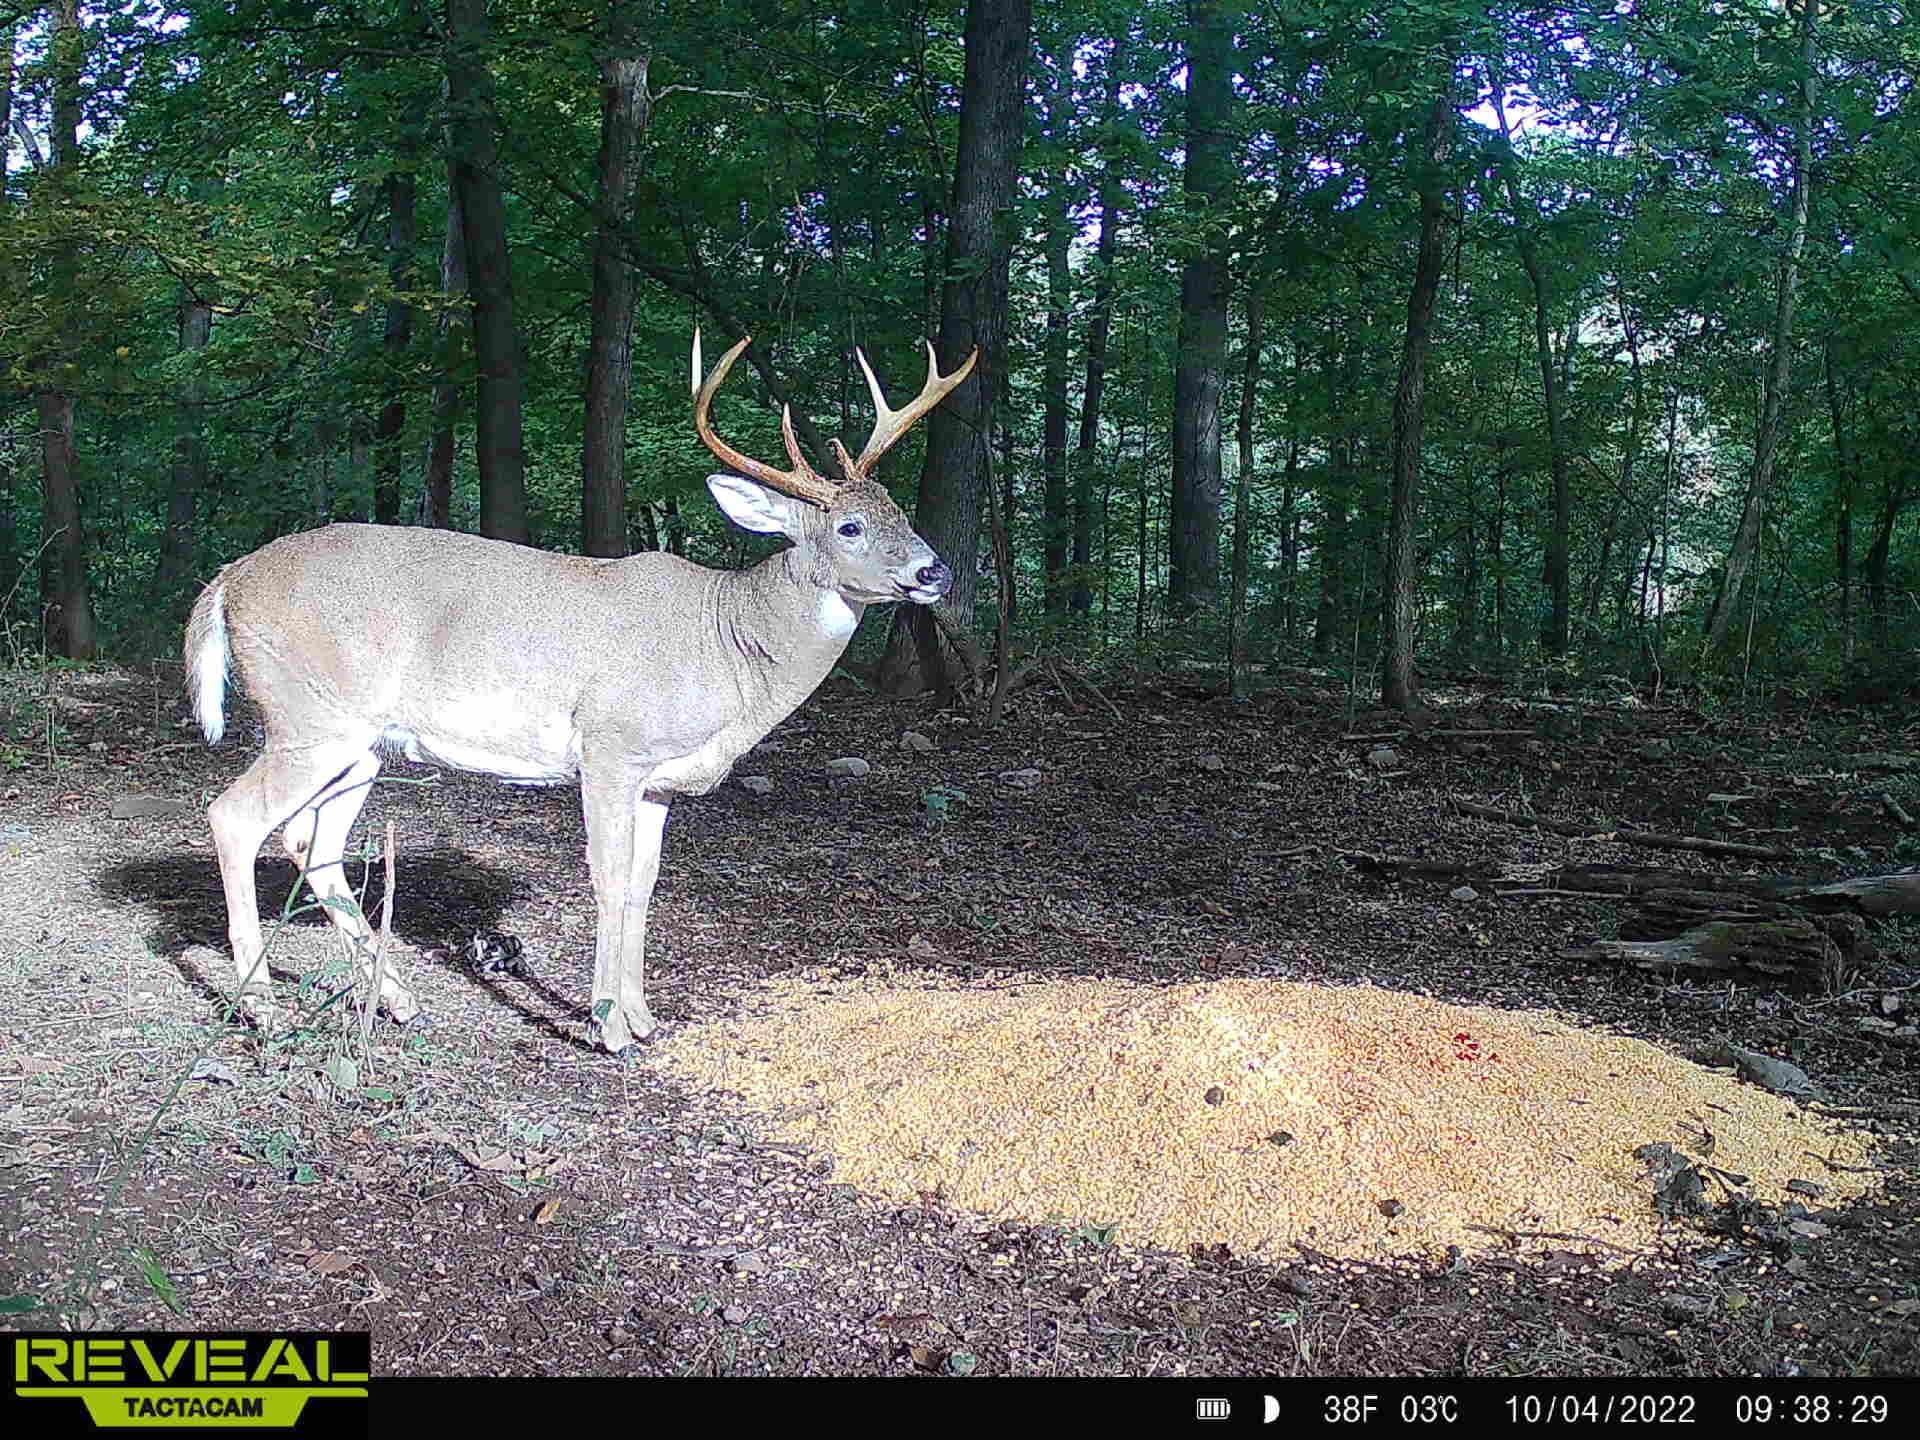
(1396, 337)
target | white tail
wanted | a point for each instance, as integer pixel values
(645, 678)
(207, 664)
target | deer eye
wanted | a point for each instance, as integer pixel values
(852, 529)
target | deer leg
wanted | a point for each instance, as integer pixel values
(649, 828)
(317, 840)
(623, 852)
(249, 810)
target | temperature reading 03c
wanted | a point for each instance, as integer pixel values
(1429, 1409)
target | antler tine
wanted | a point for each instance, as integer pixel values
(892, 424)
(803, 481)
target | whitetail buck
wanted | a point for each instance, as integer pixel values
(645, 677)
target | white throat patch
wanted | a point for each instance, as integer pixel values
(836, 616)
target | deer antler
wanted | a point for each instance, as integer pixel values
(803, 481)
(892, 424)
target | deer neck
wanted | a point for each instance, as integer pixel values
(785, 625)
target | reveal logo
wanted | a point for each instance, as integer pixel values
(257, 1380)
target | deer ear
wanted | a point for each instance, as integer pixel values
(755, 507)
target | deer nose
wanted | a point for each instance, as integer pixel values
(935, 576)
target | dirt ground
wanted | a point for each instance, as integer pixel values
(492, 1197)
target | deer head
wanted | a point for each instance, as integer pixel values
(858, 544)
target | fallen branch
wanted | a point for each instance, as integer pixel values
(1062, 668)
(1652, 839)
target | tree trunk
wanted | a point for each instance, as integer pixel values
(1846, 487)
(1057, 519)
(1099, 326)
(189, 475)
(624, 113)
(1330, 536)
(973, 311)
(1557, 634)
(1409, 404)
(1879, 613)
(1636, 426)
(450, 349)
(6, 98)
(1193, 528)
(497, 438)
(1243, 493)
(67, 602)
(1746, 540)
(401, 235)
(1056, 505)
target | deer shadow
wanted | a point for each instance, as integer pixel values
(448, 896)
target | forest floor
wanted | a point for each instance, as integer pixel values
(490, 1196)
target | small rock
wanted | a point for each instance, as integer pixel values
(1384, 756)
(1808, 1229)
(1686, 1309)
(1463, 892)
(1392, 1209)
(1028, 779)
(752, 1263)
(1280, 1139)
(1211, 762)
(848, 765)
(1535, 747)
(1890, 1004)
(1771, 1074)
(1809, 1188)
(734, 1314)
(913, 740)
(1216, 1096)
(214, 1070)
(756, 784)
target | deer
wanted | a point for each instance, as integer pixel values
(642, 678)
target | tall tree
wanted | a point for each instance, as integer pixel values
(1409, 396)
(188, 476)
(1099, 327)
(401, 190)
(1200, 369)
(497, 398)
(1243, 490)
(1057, 518)
(1773, 395)
(624, 112)
(1560, 529)
(450, 349)
(973, 311)
(64, 590)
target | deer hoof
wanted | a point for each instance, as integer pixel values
(256, 1008)
(404, 1010)
(622, 1030)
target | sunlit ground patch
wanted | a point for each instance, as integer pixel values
(1356, 1121)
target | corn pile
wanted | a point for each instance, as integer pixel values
(1361, 1122)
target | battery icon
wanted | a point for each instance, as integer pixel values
(1212, 1409)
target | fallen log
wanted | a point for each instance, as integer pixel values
(1651, 839)
(1781, 929)
(1790, 951)
(1897, 892)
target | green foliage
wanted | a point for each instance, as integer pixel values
(794, 183)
